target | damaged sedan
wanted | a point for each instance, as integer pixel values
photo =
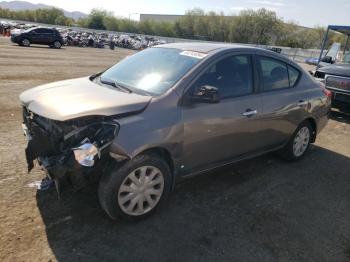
(167, 113)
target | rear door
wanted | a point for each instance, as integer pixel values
(218, 132)
(283, 101)
(47, 36)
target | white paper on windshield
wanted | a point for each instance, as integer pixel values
(193, 54)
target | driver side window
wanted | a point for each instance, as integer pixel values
(232, 76)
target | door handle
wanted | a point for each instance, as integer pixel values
(302, 103)
(250, 113)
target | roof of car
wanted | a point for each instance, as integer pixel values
(203, 47)
(42, 27)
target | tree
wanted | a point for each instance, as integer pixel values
(254, 27)
(48, 16)
(96, 18)
(147, 27)
(164, 29)
(111, 23)
(320, 31)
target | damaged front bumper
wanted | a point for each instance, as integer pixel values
(70, 149)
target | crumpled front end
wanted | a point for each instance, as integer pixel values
(68, 148)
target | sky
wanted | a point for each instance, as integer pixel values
(305, 12)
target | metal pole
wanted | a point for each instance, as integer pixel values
(323, 46)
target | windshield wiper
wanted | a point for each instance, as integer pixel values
(117, 85)
(123, 87)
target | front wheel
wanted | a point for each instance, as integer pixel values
(135, 189)
(57, 44)
(25, 42)
(299, 143)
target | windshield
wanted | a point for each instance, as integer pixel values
(29, 29)
(153, 70)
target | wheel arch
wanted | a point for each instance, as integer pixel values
(313, 124)
(164, 154)
(161, 152)
(24, 37)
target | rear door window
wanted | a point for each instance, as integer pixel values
(273, 74)
(293, 75)
(44, 31)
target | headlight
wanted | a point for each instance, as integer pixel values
(85, 154)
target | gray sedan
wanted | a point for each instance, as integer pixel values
(167, 113)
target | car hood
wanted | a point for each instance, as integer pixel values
(80, 97)
(342, 69)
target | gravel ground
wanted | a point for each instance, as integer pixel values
(258, 210)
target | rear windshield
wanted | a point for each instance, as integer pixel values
(153, 70)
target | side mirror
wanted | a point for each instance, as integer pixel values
(327, 59)
(206, 94)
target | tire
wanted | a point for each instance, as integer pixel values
(57, 44)
(301, 139)
(122, 194)
(25, 42)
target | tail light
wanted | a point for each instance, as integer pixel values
(327, 93)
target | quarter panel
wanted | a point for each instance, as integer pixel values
(284, 110)
(158, 126)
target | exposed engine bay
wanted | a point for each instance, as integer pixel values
(63, 146)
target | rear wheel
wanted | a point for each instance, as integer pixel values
(25, 42)
(299, 143)
(135, 189)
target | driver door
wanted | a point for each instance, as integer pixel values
(35, 36)
(215, 133)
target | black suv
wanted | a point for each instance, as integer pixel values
(38, 35)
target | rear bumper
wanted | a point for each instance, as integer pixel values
(341, 100)
(340, 88)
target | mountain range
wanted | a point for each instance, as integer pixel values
(23, 5)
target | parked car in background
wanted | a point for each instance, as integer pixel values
(167, 113)
(39, 36)
(311, 61)
(336, 74)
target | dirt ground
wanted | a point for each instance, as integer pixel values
(259, 210)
